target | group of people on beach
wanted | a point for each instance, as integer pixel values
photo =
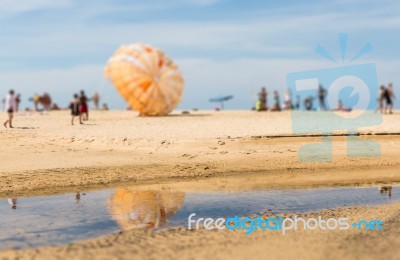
(386, 98)
(78, 106)
(262, 102)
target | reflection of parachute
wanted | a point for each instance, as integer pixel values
(144, 209)
(146, 78)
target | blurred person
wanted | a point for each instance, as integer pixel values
(36, 101)
(288, 100)
(55, 107)
(258, 106)
(96, 100)
(381, 98)
(105, 107)
(262, 98)
(84, 110)
(386, 190)
(277, 102)
(75, 109)
(78, 197)
(45, 100)
(10, 107)
(341, 107)
(297, 102)
(389, 95)
(321, 97)
(13, 203)
(309, 103)
(17, 102)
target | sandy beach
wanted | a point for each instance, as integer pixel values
(203, 244)
(45, 155)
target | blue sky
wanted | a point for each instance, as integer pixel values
(222, 47)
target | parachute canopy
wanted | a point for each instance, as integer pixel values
(147, 78)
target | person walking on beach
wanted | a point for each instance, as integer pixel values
(262, 100)
(75, 109)
(10, 107)
(321, 97)
(389, 96)
(84, 110)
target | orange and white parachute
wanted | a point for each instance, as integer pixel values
(147, 78)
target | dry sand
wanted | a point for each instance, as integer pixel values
(46, 155)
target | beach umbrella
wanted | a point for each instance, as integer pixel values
(221, 99)
(146, 78)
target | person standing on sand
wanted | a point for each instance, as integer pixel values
(96, 100)
(309, 103)
(288, 100)
(83, 100)
(75, 109)
(321, 97)
(45, 100)
(297, 102)
(262, 98)
(36, 99)
(390, 98)
(381, 98)
(277, 102)
(10, 107)
(17, 101)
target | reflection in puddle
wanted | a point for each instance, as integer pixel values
(386, 190)
(60, 219)
(13, 203)
(133, 209)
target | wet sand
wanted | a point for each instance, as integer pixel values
(180, 243)
(45, 155)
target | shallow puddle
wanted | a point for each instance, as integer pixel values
(60, 219)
